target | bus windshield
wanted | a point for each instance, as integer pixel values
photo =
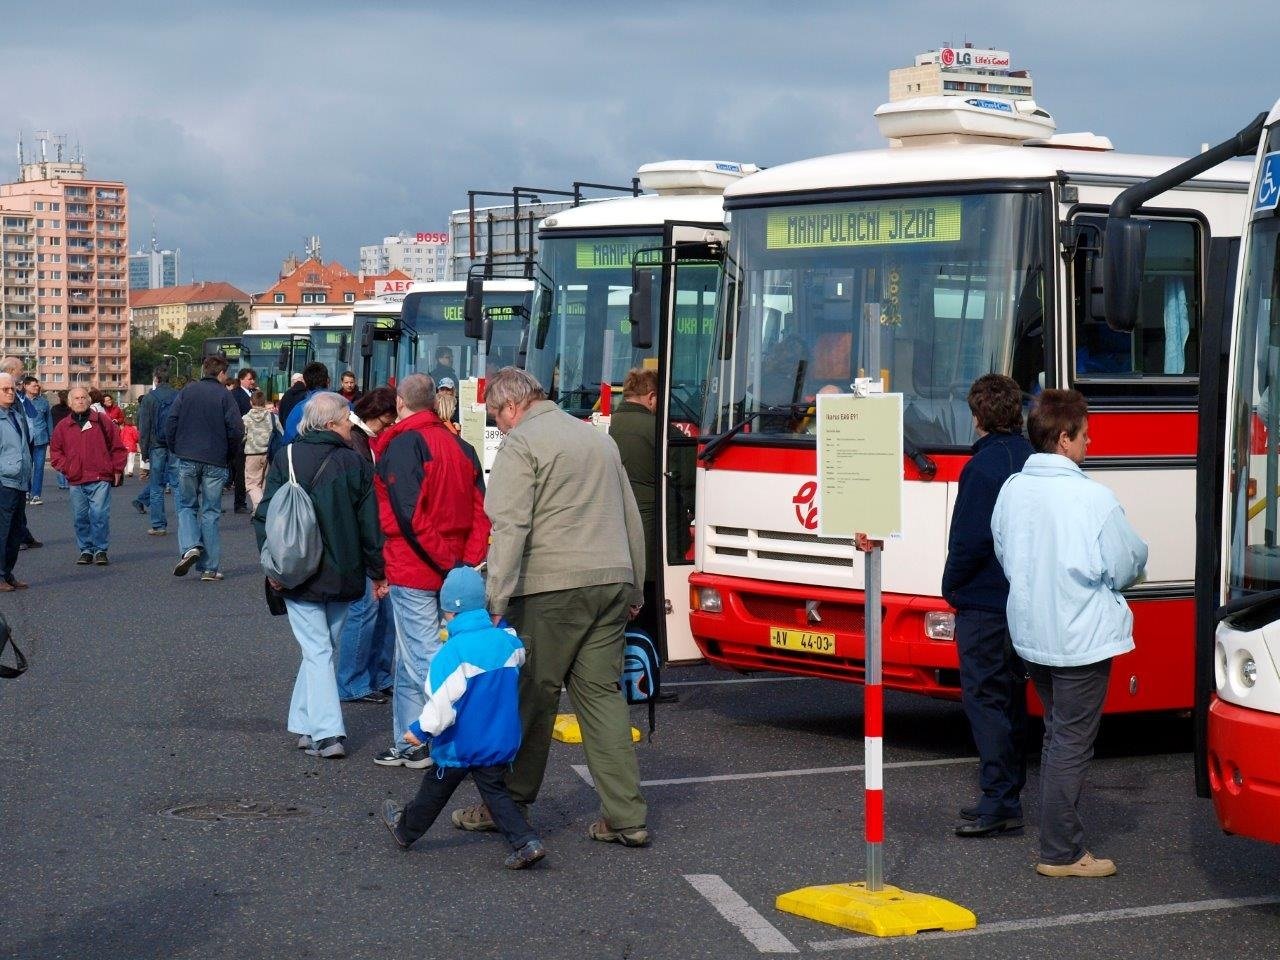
(333, 347)
(384, 354)
(443, 348)
(263, 352)
(581, 333)
(949, 283)
(1253, 559)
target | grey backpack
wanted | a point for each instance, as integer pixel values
(292, 548)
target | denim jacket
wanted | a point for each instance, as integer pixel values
(15, 450)
(1068, 550)
(41, 422)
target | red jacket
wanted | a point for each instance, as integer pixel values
(89, 452)
(431, 487)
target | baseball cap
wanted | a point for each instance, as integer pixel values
(463, 590)
(446, 383)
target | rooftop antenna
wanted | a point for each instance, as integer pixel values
(60, 144)
(43, 137)
(313, 248)
(19, 153)
(155, 247)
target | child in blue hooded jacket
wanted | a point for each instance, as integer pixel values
(472, 719)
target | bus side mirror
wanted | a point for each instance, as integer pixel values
(344, 349)
(473, 308)
(366, 340)
(731, 317)
(1125, 257)
(282, 361)
(544, 318)
(643, 280)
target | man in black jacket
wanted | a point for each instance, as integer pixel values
(202, 430)
(993, 680)
(246, 383)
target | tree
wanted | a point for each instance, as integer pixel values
(230, 322)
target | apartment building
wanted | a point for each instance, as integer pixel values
(173, 309)
(153, 268)
(76, 257)
(423, 256)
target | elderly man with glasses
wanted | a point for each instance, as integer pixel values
(15, 481)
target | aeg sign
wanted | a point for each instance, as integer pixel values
(382, 288)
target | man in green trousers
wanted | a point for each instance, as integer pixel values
(566, 568)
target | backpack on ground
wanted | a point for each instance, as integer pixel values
(292, 548)
(6, 640)
(641, 672)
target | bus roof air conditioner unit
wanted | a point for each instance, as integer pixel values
(974, 119)
(671, 177)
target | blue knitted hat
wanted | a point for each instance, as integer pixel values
(463, 589)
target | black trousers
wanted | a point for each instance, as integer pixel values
(13, 528)
(437, 787)
(993, 691)
(236, 463)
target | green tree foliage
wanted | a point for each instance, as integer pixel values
(231, 321)
(183, 354)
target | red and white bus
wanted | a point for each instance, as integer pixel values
(1238, 695)
(972, 244)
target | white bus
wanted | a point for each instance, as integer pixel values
(971, 245)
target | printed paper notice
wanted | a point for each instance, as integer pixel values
(860, 465)
(471, 415)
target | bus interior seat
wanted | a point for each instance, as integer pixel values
(939, 417)
(833, 358)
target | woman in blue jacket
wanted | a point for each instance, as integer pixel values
(39, 418)
(1067, 550)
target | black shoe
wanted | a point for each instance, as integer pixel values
(526, 856)
(989, 827)
(969, 813)
(374, 697)
(85, 558)
(30, 545)
(242, 509)
(392, 813)
(100, 558)
(139, 507)
(188, 559)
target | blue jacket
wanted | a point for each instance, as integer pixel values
(972, 578)
(15, 449)
(204, 424)
(472, 714)
(39, 419)
(1068, 551)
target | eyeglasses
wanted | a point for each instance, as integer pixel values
(8, 389)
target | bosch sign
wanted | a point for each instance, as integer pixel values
(436, 238)
(950, 57)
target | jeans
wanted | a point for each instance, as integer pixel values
(163, 470)
(417, 618)
(91, 511)
(314, 709)
(438, 784)
(1072, 698)
(367, 649)
(37, 469)
(202, 482)
(13, 507)
(993, 690)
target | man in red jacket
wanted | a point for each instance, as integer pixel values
(86, 449)
(431, 506)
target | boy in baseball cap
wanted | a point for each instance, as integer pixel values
(472, 720)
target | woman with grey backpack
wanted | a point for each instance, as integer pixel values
(317, 559)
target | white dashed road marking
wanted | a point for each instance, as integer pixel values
(763, 935)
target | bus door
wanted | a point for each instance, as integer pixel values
(388, 352)
(690, 281)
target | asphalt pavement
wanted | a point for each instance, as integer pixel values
(149, 693)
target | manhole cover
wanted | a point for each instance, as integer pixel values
(213, 811)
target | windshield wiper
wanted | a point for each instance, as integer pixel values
(1239, 605)
(924, 463)
(713, 447)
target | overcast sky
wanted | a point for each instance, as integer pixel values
(244, 127)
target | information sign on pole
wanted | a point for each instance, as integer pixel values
(471, 415)
(860, 465)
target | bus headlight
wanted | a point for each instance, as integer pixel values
(707, 599)
(939, 625)
(1248, 671)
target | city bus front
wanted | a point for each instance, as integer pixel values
(1244, 709)
(949, 279)
(386, 350)
(332, 344)
(436, 314)
(274, 356)
(580, 345)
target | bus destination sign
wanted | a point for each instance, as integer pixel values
(606, 254)
(863, 224)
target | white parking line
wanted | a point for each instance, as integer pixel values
(582, 771)
(713, 682)
(763, 935)
(1066, 920)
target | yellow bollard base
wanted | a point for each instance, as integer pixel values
(890, 912)
(567, 730)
